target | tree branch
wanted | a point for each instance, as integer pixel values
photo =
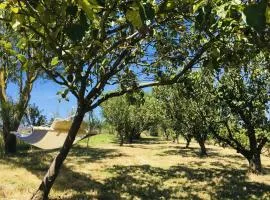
(175, 79)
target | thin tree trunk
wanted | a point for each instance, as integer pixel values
(177, 139)
(188, 140)
(166, 135)
(121, 140)
(48, 180)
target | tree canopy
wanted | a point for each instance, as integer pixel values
(99, 49)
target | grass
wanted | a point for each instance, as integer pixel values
(149, 169)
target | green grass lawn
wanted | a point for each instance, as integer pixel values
(149, 169)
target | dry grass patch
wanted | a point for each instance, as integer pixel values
(149, 169)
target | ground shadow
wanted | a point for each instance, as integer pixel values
(37, 162)
(146, 182)
(188, 152)
(183, 181)
(148, 140)
(91, 154)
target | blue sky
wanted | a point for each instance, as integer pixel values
(44, 95)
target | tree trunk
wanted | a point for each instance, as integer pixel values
(44, 189)
(9, 139)
(177, 139)
(188, 140)
(10, 143)
(254, 160)
(166, 135)
(121, 140)
(137, 136)
(203, 149)
(255, 165)
(130, 138)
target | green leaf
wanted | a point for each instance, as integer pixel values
(89, 8)
(133, 16)
(147, 11)
(16, 24)
(267, 14)
(25, 65)
(22, 43)
(3, 6)
(198, 5)
(255, 15)
(54, 61)
(75, 32)
(21, 58)
(72, 10)
(15, 10)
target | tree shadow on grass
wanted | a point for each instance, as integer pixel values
(37, 162)
(148, 140)
(218, 181)
(146, 182)
(90, 154)
(188, 152)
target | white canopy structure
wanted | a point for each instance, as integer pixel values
(52, 137)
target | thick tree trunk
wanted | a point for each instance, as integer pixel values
(203, 149)
(10, 141)
(10, 144)
(254, 159)
(255, 165)
(137, 136)
(130, 138)
(48, 180)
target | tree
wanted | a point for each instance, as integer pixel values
(17, 65)
(34, 116)
(126, 115)
(186, 104)
(89, 45)
(243, 99)
(154, 116)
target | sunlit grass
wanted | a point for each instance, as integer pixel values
(104, 138)
(150, 169)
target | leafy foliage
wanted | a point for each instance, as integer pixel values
(126, 115)
(34, 116)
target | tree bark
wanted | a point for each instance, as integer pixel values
(177, 139)
(203, 149)
(48, 180)
(188, 140)
(130, 138)
(10, 143)
(255, 165)
(254, 160)
(121, 140)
